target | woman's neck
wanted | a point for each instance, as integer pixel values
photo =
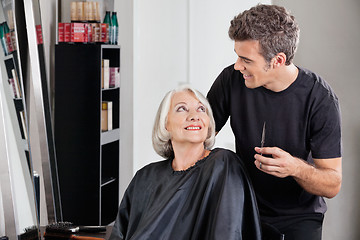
(187, 156)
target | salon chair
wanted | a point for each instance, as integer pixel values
(269, 232)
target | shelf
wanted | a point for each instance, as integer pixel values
(107, 181)
(109, 202)
(18, 102)
(7, 57)
(87, 158)
(109, 89)
(110, 136)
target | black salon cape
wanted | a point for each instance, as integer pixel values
(211, 200)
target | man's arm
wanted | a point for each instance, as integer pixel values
(323, 178)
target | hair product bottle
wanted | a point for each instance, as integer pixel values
(107, 20)
(80, 11)
(3, 40)
(73, 12)
(90, 14)
(97, 12)
(7, 36)
(114, 29)
(85, 11)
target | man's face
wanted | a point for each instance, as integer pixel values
(256, 71)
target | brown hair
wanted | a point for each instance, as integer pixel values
(271, 25)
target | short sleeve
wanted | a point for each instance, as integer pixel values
(219, 98)
(325, 130)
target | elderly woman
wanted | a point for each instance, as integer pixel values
(196, 193)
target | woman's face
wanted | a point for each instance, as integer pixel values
(187, 120)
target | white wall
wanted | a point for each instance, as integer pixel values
(125, 19)
(329, 45)
(210, 48)
(177, 42)
(160, 64)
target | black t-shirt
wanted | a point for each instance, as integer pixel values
(303, 120)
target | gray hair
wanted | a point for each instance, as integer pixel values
(161, 138)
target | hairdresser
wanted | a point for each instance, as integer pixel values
(300, 162)
(196, 193)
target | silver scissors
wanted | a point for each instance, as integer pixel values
(262, 141)
(263, 136)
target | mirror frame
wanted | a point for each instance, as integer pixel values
(42, 108)
(8, 180)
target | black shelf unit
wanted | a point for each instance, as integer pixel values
(87, 158)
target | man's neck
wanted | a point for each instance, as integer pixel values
(283, 78)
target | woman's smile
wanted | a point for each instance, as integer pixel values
(187, 121)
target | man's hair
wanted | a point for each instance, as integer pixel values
(271, 25)
(161, 138)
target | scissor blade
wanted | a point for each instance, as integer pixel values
(263, 135)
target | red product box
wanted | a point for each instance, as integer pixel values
(89, 32)
(13, 39)
(39, 34)
(9, 42)
(93, 32)
(97, 32)
(86, 32)
(103, 31)
(77, 32)
(61, 32)
(114, 77)
(67, 32)
(13, 87)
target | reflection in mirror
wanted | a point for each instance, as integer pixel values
(17, 199)
(42, 107)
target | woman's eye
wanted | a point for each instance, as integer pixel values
(181, 109)
(202, 109)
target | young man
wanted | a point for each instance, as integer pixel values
(300, 162)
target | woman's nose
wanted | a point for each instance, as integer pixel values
(193, 117)
(238, 65)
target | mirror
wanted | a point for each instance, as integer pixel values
(42, 108)
(17, 205)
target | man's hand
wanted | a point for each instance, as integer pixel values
(281, 164)
(323, 179)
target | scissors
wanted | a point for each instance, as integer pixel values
(263, 136)
(262, 140)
